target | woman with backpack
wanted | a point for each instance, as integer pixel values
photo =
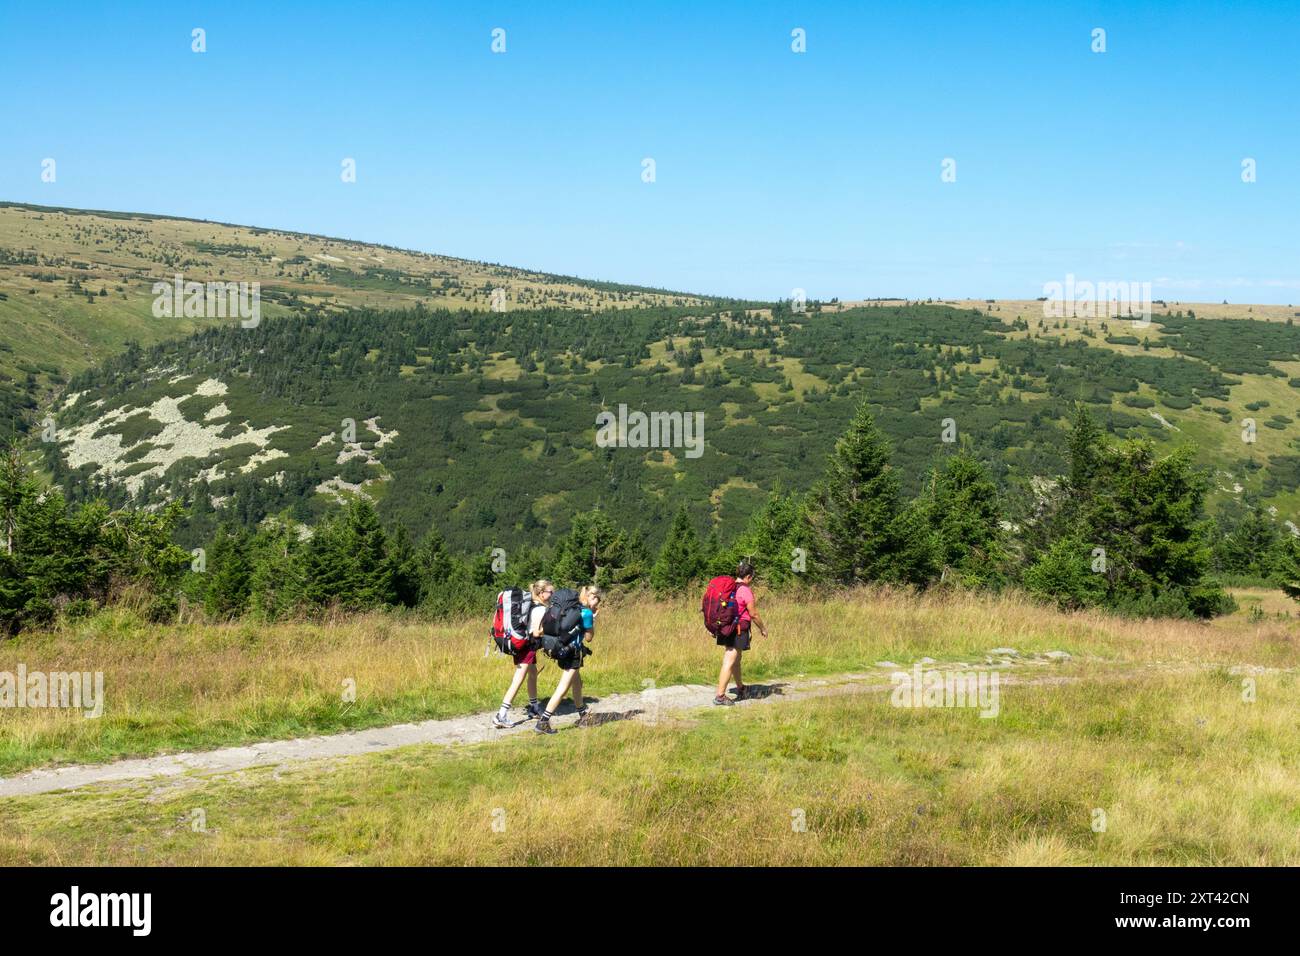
(525, 658)
(567, 644)
(738, 642)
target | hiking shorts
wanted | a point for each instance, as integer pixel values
(739, 640)
(572, 658)
(527, 656)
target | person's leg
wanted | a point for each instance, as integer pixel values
(562, 688)
(735, 673)
(543, 725)
(729, 658)
(577, 689)
(532, 686)
(521, 671)
(503, 714)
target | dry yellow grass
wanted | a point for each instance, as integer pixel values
(200, 686)
(1184, 770)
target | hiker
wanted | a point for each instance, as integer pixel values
(569, 624)
(525, 658)
(736, 639)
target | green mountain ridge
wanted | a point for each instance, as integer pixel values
(484, 424)
(387, 373)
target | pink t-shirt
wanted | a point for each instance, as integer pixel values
(744, 598)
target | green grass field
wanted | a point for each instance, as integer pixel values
(1183, 770)
(200, 686)
(1147, 723)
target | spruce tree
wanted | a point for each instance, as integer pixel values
(597, 550)
(230, 574)
(850, 515)
(1084, 447)
(1289, 567)
(679, 561)
(1251, 546)
(277, 577)
(962, 509)
(769, 540)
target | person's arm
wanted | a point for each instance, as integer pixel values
(753, 616)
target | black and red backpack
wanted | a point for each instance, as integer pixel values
(721, 613)
(562, 622)
(510, 622)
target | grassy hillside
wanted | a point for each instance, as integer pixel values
(197, 686)
(484, 423)
(75, 284)
(1147, 722)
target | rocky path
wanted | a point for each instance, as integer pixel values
(651, 705)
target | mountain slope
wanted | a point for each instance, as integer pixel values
(387, 373)
(76, 285)
(485, 424)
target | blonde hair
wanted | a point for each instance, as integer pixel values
(592, 591)
(538, 586)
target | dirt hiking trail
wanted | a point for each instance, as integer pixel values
(650, 705)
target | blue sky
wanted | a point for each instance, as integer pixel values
(774, 170)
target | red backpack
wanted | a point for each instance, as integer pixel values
(721, 613)
(510, 622)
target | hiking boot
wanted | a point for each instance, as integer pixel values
(741, 693)
(583, 717)
(534, 711)
(500, 724)
(723, 701)
(543, 726)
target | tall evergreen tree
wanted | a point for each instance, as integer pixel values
(230, 573)
(1084, 451)
(679, 560)
(961, 507)
(769, 540)
(597, 550)
(1139, 524)
(1289, 567)
(277, 583)
(849, 520)
(1251, 545)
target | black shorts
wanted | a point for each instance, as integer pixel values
(739, 640)
(572, 659)
(569, 657)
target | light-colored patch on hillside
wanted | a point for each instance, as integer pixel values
(354, 449)
(338, 489)
(261, 458)
(1164, 422)
(661, 458)
(384, 437)
(178, 439)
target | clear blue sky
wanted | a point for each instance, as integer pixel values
(774, 170)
